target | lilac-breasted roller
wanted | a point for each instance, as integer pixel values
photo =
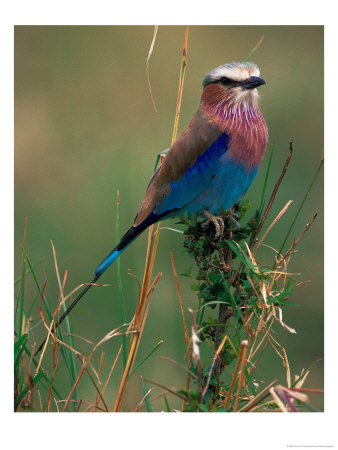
(211, 164)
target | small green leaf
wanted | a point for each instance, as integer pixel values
(195, 287)
(147, 399)
(167, 404)
(203, 407)
(158, 157)
(19, 348)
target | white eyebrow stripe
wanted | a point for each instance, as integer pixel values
(234, 71)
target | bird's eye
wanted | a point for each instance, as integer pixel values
(226, 81)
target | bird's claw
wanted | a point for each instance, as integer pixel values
(233, 217)
(216, 220)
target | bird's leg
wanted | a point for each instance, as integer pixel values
(216, 220)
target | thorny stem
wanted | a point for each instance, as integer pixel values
(272, 198)
(223, 314)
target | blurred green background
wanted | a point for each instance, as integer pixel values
(85, 127)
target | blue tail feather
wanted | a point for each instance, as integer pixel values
(108, 261)
(127, 239)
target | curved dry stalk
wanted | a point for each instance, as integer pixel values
(165, 358)
(147, 65)
(150, 256)
(241, 357)
(183, 397)
(108, 336)
(277, 218)
(273, 196)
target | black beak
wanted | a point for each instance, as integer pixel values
(252, 83)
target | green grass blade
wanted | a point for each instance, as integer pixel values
(18, 280)
(167, 404)
(148, 356)
(250, 380)
(45, 376)
(147, 399)
(260, 209)
(29, 312)
(19, 313)
(119, 283)
(254, 49)
(17, 301)
(71, 360)
(310, 408)
(50, 317)
(235, 247)
(18, 349)
(302, 204)
(22, 290)
(27, 388)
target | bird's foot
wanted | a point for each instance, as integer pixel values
(216, 220)
(233, 220)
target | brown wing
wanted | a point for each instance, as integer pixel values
(192, 143)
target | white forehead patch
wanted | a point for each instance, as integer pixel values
(235, 71)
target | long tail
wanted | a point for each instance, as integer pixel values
(127, 239)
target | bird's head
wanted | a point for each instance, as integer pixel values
(237, 82)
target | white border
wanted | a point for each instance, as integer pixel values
(263, 431)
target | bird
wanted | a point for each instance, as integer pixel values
(212, 163)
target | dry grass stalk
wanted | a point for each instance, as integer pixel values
(259, 397)
(144, 317)
(277, 400)
(40, 400)
(308, 390)
(284, 358)
(288, 396)
(138, 324)
(56, 355)
(242, 354)
(142, 404)
(165, 358)
(268, 403)
(177, 114)
(214, 359)
(166, 389)
(243, 362)
(98, 393)
(79, 406)
(273, 195)
(186, 332)
(213, 350)
(181, 83)
(300, 379)
(137, 321)
(54, 323)
(99, 376)
(295, 242)
(85, 364)
(55, 313)
(80, 403)
(147, 65)
(151, 253)
(278, 217)
(112, 369)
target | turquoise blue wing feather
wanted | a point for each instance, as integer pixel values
(197, 178)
